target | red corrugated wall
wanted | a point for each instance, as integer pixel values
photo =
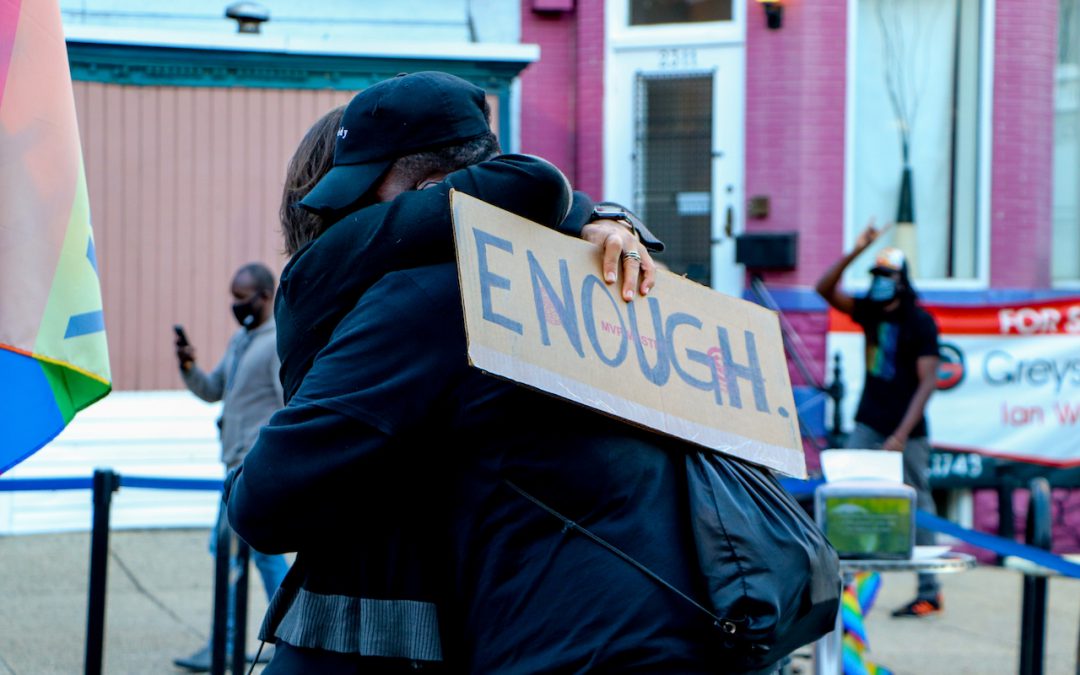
(184, 187)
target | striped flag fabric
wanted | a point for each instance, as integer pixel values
(855, 604)
(53, 355)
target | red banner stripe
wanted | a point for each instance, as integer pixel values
(1055, 317)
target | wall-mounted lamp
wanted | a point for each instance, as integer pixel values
(774, 13)
(249, 16)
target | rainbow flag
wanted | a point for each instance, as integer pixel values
(53, 357)
(855, 603)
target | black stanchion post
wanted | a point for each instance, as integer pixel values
(222, 553)
(1078, 657)
(836, 393)
(1006, 526)
(240, 604)
(1033, 613)
(105, 483)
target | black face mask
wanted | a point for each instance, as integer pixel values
(245, 312)
(882, 289)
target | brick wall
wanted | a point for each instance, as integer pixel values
(811, 328)
(795, 128)
(562, 95)
(1022, 187)
(795, 142)
(589, 167)
(548, 111)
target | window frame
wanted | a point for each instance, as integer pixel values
(668, 34)
(984, 155)
(1065, 284)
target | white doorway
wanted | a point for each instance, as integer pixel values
(674, 146)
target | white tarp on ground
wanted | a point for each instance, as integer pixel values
(162, 434)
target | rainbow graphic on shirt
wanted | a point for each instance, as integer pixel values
(53, 355)
(881, 356)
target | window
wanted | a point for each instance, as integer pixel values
(650, 12)
(915, 133)
(1065, 264)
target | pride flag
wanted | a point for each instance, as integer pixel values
(855, 604)
(53, 356)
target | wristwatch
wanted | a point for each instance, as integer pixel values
(618, 212)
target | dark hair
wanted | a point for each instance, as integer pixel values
(312, 159)
(449, 159)
(261, 275)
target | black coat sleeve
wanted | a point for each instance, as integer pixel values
(340, 439)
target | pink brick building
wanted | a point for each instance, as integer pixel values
(986, 96)
(799, 125)
(797, 133)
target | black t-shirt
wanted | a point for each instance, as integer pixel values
(894, 343)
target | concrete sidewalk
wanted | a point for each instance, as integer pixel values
(160, 588)
(159, 598)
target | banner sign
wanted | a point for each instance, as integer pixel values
(1008, 384)
(685, 361)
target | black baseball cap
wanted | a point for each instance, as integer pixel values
(410, 113)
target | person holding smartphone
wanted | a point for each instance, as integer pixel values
(246, 381)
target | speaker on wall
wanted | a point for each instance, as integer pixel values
(767, 250)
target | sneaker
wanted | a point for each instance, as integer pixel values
(199, 662)
(920, 607)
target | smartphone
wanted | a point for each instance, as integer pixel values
(181, 336)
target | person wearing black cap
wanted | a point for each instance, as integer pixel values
(428, 118)
(368, 473)
(901, 374)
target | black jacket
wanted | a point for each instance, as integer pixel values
(378, 471)
(359, 518)
(393, 442)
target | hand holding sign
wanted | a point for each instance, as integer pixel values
(618, 242)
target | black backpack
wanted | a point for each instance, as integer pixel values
(773, 578)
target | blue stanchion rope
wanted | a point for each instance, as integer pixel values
(1004, 547)
(171, 483)
(39, 484)
(36, 484)
(998, 545)
(800, 488)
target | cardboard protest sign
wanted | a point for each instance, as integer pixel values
(685, 361)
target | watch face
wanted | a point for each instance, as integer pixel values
(608, 212)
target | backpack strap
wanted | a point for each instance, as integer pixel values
(726, 625)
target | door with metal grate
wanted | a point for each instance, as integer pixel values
(673, 167)
(673, 150)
